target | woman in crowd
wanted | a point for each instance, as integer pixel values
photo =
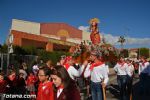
(65, 87)
(12, 82)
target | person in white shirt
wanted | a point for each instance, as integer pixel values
(143, 74)
(130, 73)
(143, 66)
(107, 67)
(121, 68)
(98, 74)
(68, 64)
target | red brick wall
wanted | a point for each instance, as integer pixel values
(24, 39)
(53, 28)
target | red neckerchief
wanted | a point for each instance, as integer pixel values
(143, 63)
(121, 63)
(129, 64)
(66, 66)
(12, 77)
(1, 81)
(95, 65)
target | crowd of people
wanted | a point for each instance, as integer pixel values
(61, 81)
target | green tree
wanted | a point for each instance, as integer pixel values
(143, 52)
(54, 56)
(4, 48)
(124, 53)
(30, 50)
(19, 50)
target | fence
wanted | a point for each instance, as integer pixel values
(15, 60)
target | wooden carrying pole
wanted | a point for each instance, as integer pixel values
(130, 96)
(104, 94)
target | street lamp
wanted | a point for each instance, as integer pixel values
(10, 48)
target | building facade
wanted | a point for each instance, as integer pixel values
(50, 36)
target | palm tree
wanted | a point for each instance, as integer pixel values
(122, 41)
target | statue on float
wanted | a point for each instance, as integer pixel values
(94, 36)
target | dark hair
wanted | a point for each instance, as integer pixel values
(46, 71)
(11, 71)
(2, 73)
(61, 72)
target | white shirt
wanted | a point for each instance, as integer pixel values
(98, 74)
(121, 69)
(143, 68)
(59, 92)
(130, 70)
(35, 69)
(107, 68)
(73, 72)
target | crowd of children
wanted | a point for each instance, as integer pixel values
(60, 82)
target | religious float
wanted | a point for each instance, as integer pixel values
(82, 51)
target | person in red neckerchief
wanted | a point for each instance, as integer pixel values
(129, 76)
(98, 73)
(3, 83)
(143, 74)
(45, 89)
(121, 68)
(68, 63)
(65, 87)
(30, 83)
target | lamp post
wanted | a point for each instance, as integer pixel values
(10, 48)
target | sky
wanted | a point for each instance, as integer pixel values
(129, 18)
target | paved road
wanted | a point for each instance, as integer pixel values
(112, 91)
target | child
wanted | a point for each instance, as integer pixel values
(3, 83)
(45, 89)
(65, 87)
(30, 83)
(21, 84)
(12, 82)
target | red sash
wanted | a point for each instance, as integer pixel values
(95, 65)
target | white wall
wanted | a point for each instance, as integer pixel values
(74, 40)
(26, 26)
